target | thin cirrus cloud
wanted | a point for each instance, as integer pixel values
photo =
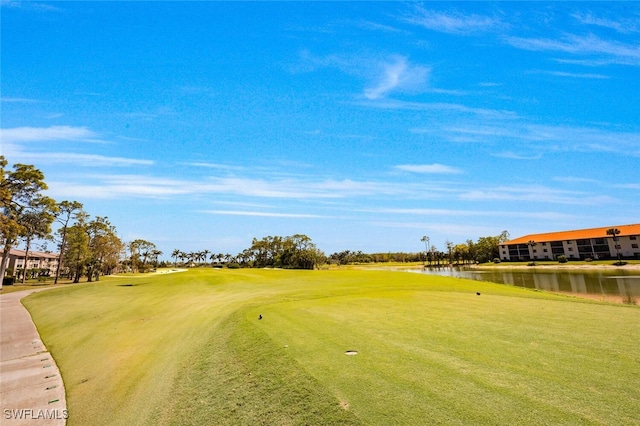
(248, 188)
(527, 136)
(398, 75)
(575, 75)
(535, 193)
(429, 168)
(53, 133)
(515, 156)
(394, 73)
(604, 51)
(117, 186)
(470, 213)
(84, 160)
(623, 26)
(18, 100)
(264, 214)
(14, 140)
(452, 23)
(440, 108)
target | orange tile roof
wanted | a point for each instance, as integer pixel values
(577, 234)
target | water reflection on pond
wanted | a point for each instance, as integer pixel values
(618, 284)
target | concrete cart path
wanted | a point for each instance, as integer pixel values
(31, 388)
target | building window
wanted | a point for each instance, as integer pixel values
(545, 250)
(634, 246)
(618, 246)
(633, 237)
(570, 248)
(544, 244)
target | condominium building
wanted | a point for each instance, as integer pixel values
(593, 243)
(36, 260)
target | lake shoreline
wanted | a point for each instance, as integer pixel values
(563, 267)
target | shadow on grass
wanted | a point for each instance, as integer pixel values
(242, 377)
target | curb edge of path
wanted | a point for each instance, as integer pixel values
(31, 388)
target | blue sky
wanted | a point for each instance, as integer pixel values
(201, 125)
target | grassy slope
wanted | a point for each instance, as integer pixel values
(188, 348)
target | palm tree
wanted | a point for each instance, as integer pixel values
(531, 245)
(449, 245)
(191, 258)
(425, 240)
(614, 232)
(175, 254)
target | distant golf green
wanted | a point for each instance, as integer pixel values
(340, 347)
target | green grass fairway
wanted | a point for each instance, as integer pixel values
(188, 348)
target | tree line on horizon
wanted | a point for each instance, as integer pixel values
(291, 252)
(299, 252)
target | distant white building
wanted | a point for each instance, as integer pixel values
(592, 243)
(36, 260)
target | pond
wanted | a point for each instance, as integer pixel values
(619, 285)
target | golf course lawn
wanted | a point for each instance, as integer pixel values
(337, 347)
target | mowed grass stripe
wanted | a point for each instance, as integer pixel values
(457, 358)
(188, 348)
(242, 378)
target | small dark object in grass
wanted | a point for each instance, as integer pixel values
(260, 317)
(478, 293)
(125, 285)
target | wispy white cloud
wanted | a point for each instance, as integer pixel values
(544, 215)
(53, 133)
(535, 193)
(515, 156)
(604, 51)
(215, 166)
(248, 188)
(374, 26)
(16, 141)
(628, 186)
(574, 180)
(117, 186)
(529, 137)
(29, 5)
(452, 23)
(397, 75)
(624, 25)
(264, 214)
(575, 75)
(82, 160)
(439, 107)
(18, 100)
(429, 168)
(394, 73)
